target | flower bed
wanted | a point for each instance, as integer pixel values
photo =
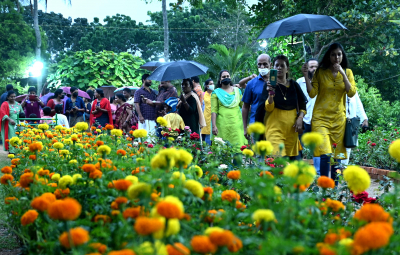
(72, 191)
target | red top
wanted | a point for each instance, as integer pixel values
(4, 110)
(104, 104)
(52, 105)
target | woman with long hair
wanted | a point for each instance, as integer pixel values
(332, 81)
(285, 109)
(123, 114)
(206, 131)
(226, 117)
(9, 112)
(57, 99)
(32, 103)
(101, 110)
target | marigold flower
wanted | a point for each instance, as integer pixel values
(195, 187)
(325, 182)
(102, 248)
(230, 195)
(43, 202)
(122, 252)
(29, 217)
(169, 210)
(132, 212)
(263, 215)
(334, 205)
(374, 235)
(121, 184)
(104, 218)
(88, 168)
(303, 173)
(109, 127)
(132, 179)
(266, 173)
(209, 191)
(67, 209)
(163, 122)
(146, 226)
(121, 152)
(43, 172)
(394, 150)
(6, 170)
(5, 178)
(82, 126)
(139, 133)
(139, 188)
(61, 193)
(183, 158)
(104, 150)
(372, 213)
(178, 175)
(234, 175)
(96, 174)
(312, 138)
(37, 146)
(121, 200)
(248, 153)
(177, 249)
(78, 236)
(357, 179)
(256, 128)
(15, 161)
(263, 148)
(32, 157)
(99, 143)
(221, 238)
(116, 132)
(65, 181)
(235, 245)
(26, 179)
(11, 156)
(203, 244)
(8, 199)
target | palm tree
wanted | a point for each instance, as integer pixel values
(233, 60)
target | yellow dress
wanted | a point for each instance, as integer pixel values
(279, 130)
(329, 115)
(174, 121)
(207, 114)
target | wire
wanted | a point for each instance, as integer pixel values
(385, 79)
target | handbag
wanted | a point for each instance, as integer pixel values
(351, 131)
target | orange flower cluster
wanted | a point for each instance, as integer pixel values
(230, 195)
(233, 175)
(29, 217)
(121, 152)
(43, 202)
(374, 235)
(169, 210)
(33, 147)
(372, 213)
(88, 168)
(332, 236)
(6, 170)
(266, 173)
(61, 193)
(208, 191)
(177, 249)
(78, 236)
(26, 179)
(5, 178)
(122, 252)
(8, 199)
(120, 184)
(335, 205)
(133, 212)
(104, 218)
(109, 127)
(102, 248)
(203, 244)
(96, 174)
(214, 177)
(325, 182)
(67, 209)
(15, 161)
(146, 226)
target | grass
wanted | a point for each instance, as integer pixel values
(7, 240)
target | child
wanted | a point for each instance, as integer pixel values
(174, 120)
(61, 118)
(46, 115)
(33, 116)
(21, 123)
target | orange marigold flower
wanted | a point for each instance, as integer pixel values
(121, 200)
(214, 177)
(146, 226)
(99, 143)
(26, 179)
(132, 212)
(32, 157)
(208, 191)
(103, 218)
(67, 209)
(169, 210)
(240, 205)
(115, 212)
(266, 173)
(326, 250)
(95, 174)
(121, 152)
(61, 193)
(371, 213)
(43, 172)
(41, 203)
(203, 244)
(235, 245)
(78, 236)
(374, 235)
(221, 238)
(331, 238)
(234, 175)
(8, 199)
(102, 248)
(335, 205)
(121, 184)
(325, 182)
(5, 178)
(27, 171)
(230, 195)
(88, 168)
(33, 147)
(15, 161)
(29, 217)
(114, 205)
(177, 249)
(6, 170)
(122, 252)
(109, 127)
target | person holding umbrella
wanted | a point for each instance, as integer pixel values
(32, 103)
(331, 83)
(57, 99)
(101, 110)
(75, 107)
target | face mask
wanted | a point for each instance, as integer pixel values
(147, 84)
(75, 94)
(226, 81)
(211, 87)
(263, 71)
(62, 97)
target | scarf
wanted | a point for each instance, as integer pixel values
(202, 120)
(228, 100)
(4, 111)
(104, 104)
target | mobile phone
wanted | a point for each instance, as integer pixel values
(272, 77)
(32, 98)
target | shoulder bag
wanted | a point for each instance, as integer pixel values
(352, 128)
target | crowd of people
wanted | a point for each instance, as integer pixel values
(320, 101)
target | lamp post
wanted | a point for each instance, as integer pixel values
(36, 71)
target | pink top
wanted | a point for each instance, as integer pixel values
(113, 109)
(47, 121)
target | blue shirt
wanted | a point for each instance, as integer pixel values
(252, 95)
(78, 103)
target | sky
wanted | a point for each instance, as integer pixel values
(136, 9)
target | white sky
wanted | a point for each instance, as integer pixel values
(136, 9)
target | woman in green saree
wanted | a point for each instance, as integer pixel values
(226, 116)
(8, 116)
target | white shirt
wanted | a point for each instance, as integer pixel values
(62, 120)
(356, 108)
(311, 101)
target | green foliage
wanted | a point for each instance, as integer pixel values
(88, 69)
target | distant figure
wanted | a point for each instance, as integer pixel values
(101, 110)
(172, 117)
(32, 103)
(75, 107)
(9, 111)
(61, 118)
(57, 99)
(206, 131)
(197, 88)
(47, 115)
(3, 97)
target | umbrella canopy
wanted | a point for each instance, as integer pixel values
(152, 65)
(133, 89)
(46, 97)
(80, 92)
(108, 91)
(301, 24)
(21, 98)
(177, 70)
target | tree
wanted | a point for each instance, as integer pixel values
(166, 35)
(89, 69)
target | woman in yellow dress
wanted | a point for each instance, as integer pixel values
(285, 109)
(331, 82)
(206, 131)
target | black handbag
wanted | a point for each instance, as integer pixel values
(351, 131)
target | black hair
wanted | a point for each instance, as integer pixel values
(100, 91)
(219, 78)
(127, 90)
(311, 59)
(190, 82)
(32, 115)
(31, 89)
(207, 82)
(90, 93)
(21, 115)
(9, 93)
(121, 96)
(112, 98)
(57, 93)
(145, 76)
(72, 89)
(326, 59)
(9, 87)
(46, 91)
(284, 58)
(59, 108)
(46, 111)
(195, 79)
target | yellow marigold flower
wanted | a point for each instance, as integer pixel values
(58, 145)
(183, 158)
(263, 147)
(346, 242)
(303, 173)
(133, 179)
(98, 130)
(171, 138)
(68, 141)
(195, 187)
(209, 230)
(198, 171)
(257, 128)
(163, 122)
(81, 126)
(277, 190)
(117, 132)
(64, 152)
(263, 215)
(335, 205)
(14, 141)
(136, 189)
(357, 179)
(394, 150)
(10, 156)
(58, 127)
(75, 177)
(164, 158)
(104, 149)
(79, 145)
(312, 138)
(64, 181)
(248, 152)
(178, 175)
(140, 133)
(43, 126)
(73, 161)
(173, 228)
(55, 177)
(147, 248)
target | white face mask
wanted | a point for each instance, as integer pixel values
(211, 87)
(263, 71)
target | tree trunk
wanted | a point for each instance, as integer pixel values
(38, 42)
(166, 36)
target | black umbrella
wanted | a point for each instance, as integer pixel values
(177, 70)
(152, 65)
(301, 24)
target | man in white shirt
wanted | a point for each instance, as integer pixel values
(355, 108)
(312, 66)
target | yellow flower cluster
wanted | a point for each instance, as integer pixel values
(261, 215)
(312, 138)
(81, 126)
(117, 132)
(14, 141)
(170, 157)
(197, 170)
(256, 128)
(248, 153)
(303, 173)
(43, 126)
(104, 150)
(135, 190)
(394, 150)
(357, 179)
(195, 187)
(263, 148)
(163, 122)
(140, 133)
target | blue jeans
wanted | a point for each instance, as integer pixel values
(325, 167)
